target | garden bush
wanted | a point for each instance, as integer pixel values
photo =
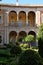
(15, 50)
(10, 45)
(6, 57)
(35, 47)
(28, 39)
(40, 40)
(24, 46)
(40, 45)
(29, 57)
(4, 52)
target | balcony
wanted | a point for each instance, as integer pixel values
(18, 27)
(20, 24)
(21, 27)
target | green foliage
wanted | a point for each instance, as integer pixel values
(40, 32)
(20, 39)
(29, 57)
(8, 55)
(40, 40)
(10, 45)
(15, 50)
(40, 45)
(35, 47)
(24, 46)
(28, 38)
(7, 58)
(8, 61)
(5, 53)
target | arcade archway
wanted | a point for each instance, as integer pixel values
(12, 36)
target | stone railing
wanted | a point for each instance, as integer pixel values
(18, 27)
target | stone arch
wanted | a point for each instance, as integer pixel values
(12, 17)
(22, 34)
(32, 33)
(31, 18)
(33, 43)
(12, 36)
(22, 17)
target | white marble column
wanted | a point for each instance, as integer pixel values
(5, 28)
(6, 36)
(26, 18)
(6, 18)
(17, 16)
(37, 18)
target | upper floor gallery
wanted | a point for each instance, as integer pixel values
(22, 15)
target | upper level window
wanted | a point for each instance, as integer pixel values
(20, 23)
(0, 19)
(12, 23)
(28, 23)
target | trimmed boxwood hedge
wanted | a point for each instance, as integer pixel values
(29, 57)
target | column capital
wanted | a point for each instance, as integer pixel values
(26, 13)
(17, 13)
(6, 12)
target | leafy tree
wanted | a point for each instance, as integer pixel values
(40, 45)
(40, 40)
(40, 32)
(29, 39)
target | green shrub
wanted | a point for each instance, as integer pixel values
(29, 38)
(15, 50)
(29, 57)
(20, 40)
(40, 40)
(24, 46)
(6, 58)
(4, 52)
(40, 32)
(35, 47)
(10, 45)
(40, 45)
